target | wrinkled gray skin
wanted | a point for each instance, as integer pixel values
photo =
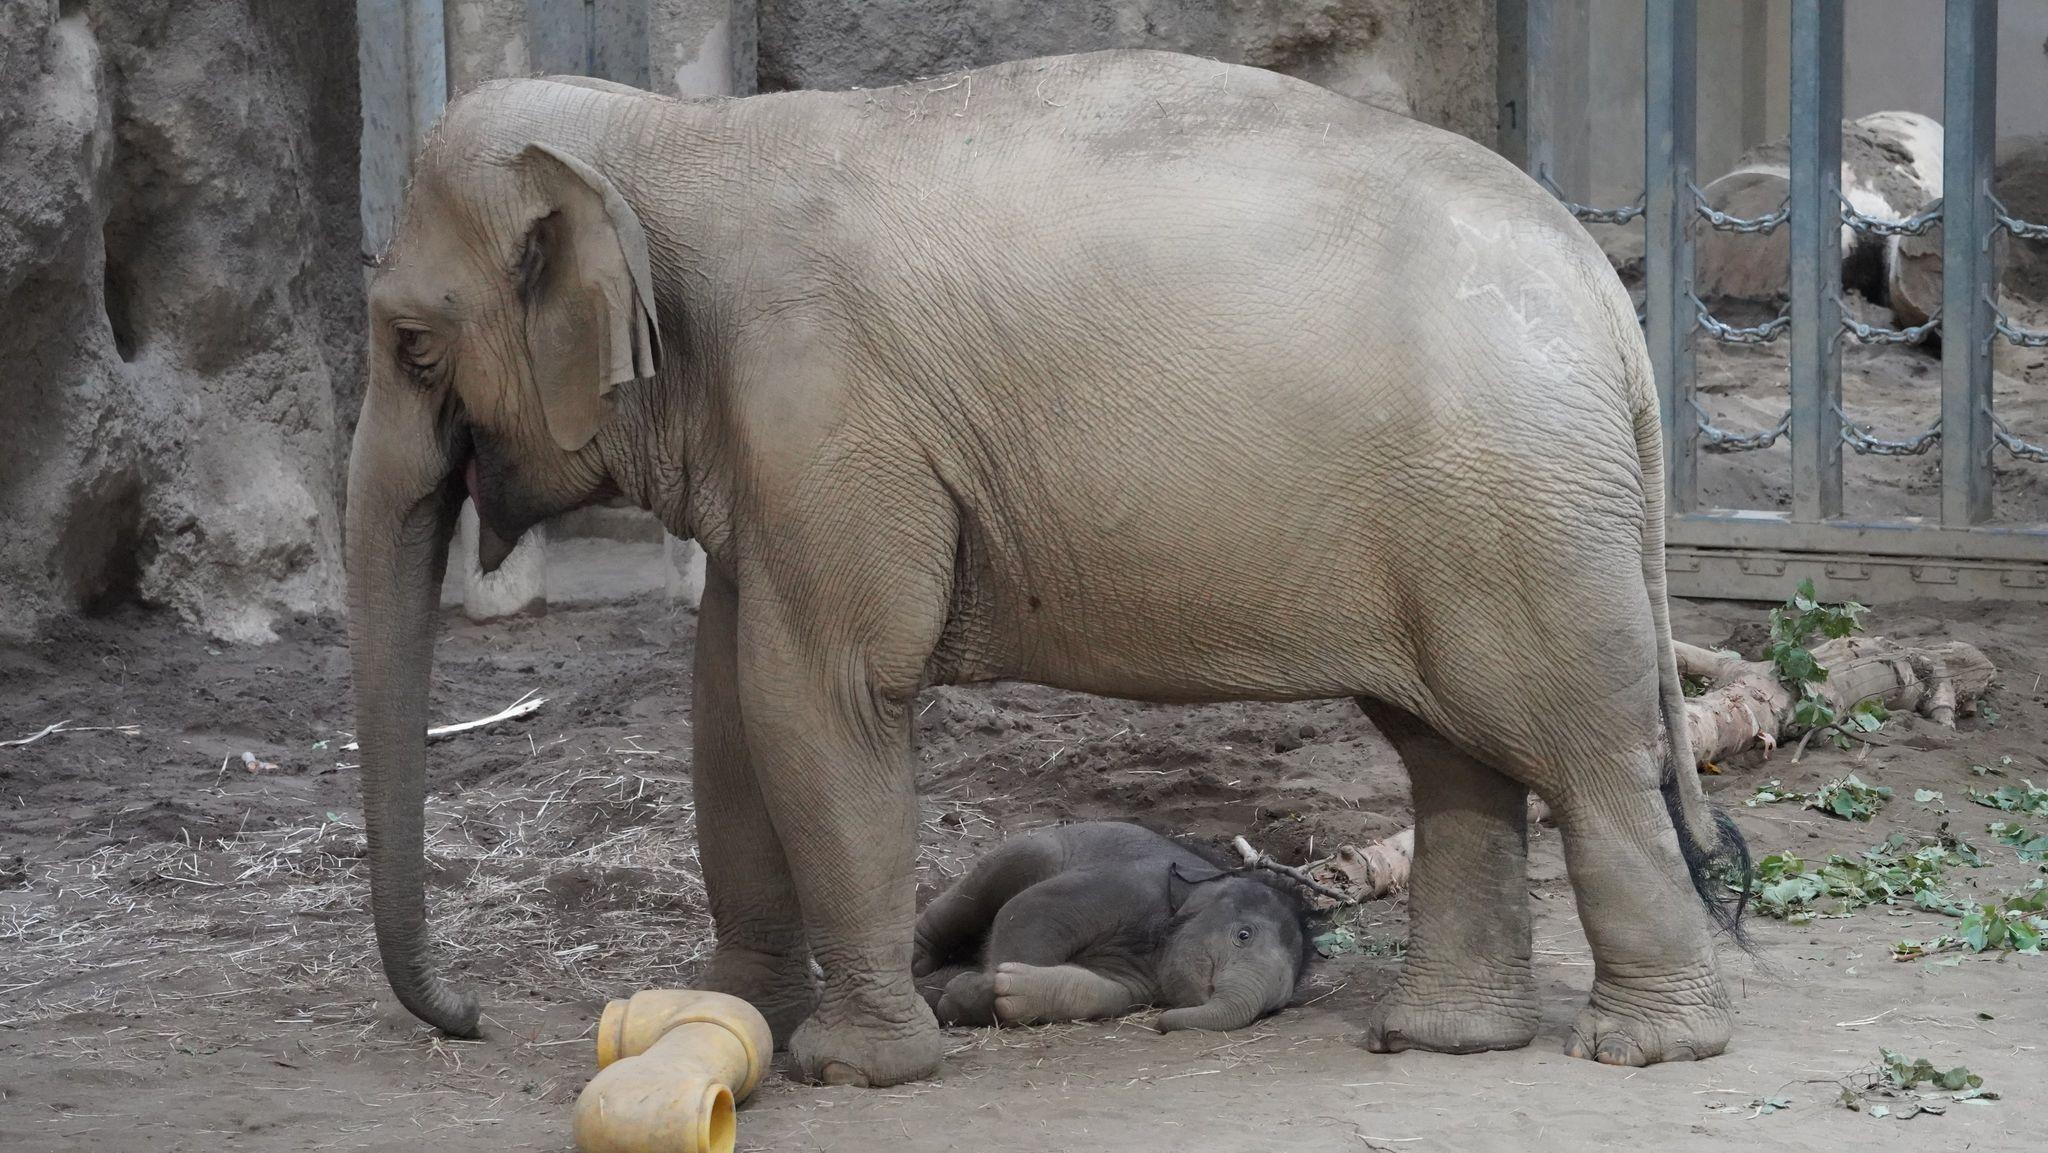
(1130, 373)
(1098, 919)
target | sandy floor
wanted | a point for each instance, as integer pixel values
(184, 945)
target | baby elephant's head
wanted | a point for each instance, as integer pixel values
(1234, 950)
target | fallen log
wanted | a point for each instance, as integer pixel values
(1891, 168)
(1745, 706)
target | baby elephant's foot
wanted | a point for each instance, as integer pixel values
(969, 999)
(1452, 1022)
(1637, 1031)
(932, 986)
(1028, 995)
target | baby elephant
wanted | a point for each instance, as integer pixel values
(1098, 919)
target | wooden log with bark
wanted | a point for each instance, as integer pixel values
(1745, 706)
(1891, 168)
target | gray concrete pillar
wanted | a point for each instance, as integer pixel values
(690, 52)
(486, 41)
(690, 47)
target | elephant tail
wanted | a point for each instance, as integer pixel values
(1716, 856)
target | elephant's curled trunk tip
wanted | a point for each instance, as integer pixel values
(423, 992)
(455, 1013)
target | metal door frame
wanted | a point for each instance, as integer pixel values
(1964, 553)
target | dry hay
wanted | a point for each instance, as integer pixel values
(584, 883)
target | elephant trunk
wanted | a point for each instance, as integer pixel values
(397, 554)
(1239, 999)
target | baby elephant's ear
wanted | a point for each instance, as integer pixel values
(1181, 880)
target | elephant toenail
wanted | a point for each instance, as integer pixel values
(840, 1073)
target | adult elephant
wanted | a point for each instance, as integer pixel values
(1128, 372)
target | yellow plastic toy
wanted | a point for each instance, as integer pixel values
(672, 1064)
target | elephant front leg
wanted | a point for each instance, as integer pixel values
(1467, 984)
(833, 757)
(761, 955)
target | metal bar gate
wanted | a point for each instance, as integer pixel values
(1962, 554)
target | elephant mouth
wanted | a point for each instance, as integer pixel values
(492, 547)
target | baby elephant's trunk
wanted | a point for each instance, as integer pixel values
(1239, 1000)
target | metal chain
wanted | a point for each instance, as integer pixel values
(1721, 330)
(1916, 225)
(1878, 334)
(1590, 214)
(1723, 222)
(1720, 440)
(2013, 444)
(1866, 444)
(2024, 337)
(2024, 229)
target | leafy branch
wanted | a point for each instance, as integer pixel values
(1802, 620)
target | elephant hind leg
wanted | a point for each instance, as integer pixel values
(1657, 991)
(955, 925)
(1467, 983)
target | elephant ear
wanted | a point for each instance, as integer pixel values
(589, 296)
(1181, 880)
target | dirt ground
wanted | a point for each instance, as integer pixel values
(185, 958)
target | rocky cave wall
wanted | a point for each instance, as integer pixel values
(180, 289)
(1430, 59)
(179, 361)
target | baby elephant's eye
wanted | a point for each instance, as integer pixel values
(1243, 935)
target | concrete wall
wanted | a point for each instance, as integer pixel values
(1431, 59)
(1892, 59)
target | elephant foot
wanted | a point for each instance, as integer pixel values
(1614, 1031)
(932, 986)
(969, 999)
(873, 1054)
(1028, 995)
(1447, 1024)
(779, 985)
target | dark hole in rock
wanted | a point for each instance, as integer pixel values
(103, 549)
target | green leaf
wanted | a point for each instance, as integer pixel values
(1335, 942)
(1925, 795)
(2020, 798)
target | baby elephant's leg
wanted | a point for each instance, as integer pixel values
(1037, 994)
(956, 922)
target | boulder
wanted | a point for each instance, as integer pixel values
(179, 245)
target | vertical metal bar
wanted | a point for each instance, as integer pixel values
(1816, 254)
(426, 66)
(1559, 36)
(1969, 99)
(1541, 81)
(1668, 131)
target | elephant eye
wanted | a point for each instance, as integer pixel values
(415, 347)
(1243, 935)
